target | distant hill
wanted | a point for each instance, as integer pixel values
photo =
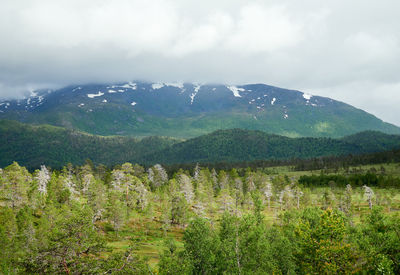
(186, 110)
(245, 145)
(32, 146)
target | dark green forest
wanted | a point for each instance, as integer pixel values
(32, 146)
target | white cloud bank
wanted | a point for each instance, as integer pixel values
(345, 50)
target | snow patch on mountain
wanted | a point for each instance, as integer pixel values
(129, 85)
(235, 90)
(307, 96)
(196, 90)
(114, 91)
(156, 86)
(175, 84)
(95, 95)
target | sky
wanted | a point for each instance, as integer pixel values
(345, 50)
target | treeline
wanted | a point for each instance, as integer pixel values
(358, 180)
(331, 163)
(338, 162)
(61, 221)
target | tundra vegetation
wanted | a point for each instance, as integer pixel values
(134, 220)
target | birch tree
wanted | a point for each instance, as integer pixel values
(42, 178)
(368, 194)
(297, 193)
(268, 194)
(157, 176)
(186, 187)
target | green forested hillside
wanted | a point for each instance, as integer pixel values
(35, 145)
(238, 145)
(373, 141)
(55, 146)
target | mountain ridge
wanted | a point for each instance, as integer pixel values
(186, 110)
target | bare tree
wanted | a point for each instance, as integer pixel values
(268, 193)
(348, 198)
(285, 197)
(142, 195)
(368, 194)
(298, 194)
(157, 175)
(196, 172)
(42, 177)
(117, 177)
(186, 187)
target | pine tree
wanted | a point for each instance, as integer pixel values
(16, 184)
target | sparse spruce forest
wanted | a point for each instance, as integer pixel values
(128, 219)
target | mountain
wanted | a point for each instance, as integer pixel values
(190, 110)
(32, 146)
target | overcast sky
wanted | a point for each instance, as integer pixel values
(346, 50)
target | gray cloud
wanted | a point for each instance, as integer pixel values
(349, 51)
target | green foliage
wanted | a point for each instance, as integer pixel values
(379, 238)
(238, 145)
(34, 145)
(81, 221)
(322, 246)
(70, 236)
(178, 209)
(369, 179)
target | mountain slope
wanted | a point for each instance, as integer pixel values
(190, 110)
(244, 145)
(32, 146)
